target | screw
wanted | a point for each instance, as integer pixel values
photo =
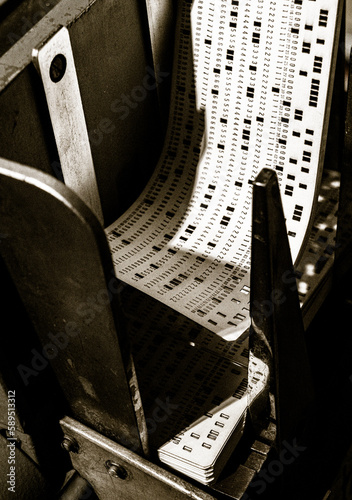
(69, 444)
(115, 470)
(57, 68)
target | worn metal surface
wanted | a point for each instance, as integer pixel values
(77, 488)
(139, 478)
(19, 56)
(277, 333)
(18, 17)
(58, 256)
(55, 63)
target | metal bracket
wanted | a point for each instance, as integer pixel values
(116, 472)
(89, 355)
(55, 63)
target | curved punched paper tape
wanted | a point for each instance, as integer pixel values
(251, 90)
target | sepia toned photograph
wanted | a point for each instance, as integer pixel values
(176, 249)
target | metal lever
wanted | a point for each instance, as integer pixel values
(55, 63)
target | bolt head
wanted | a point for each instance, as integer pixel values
(69, 444)
(115, 470)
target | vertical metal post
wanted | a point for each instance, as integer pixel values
(277, 334)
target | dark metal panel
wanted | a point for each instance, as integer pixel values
(37, 432)
(58, 256)
(343, 264)
(161, 23)
(25, 129)
(277, 333)
(116, 77)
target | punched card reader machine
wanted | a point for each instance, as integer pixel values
(175, 242)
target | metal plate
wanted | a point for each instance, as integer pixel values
(115, 472)
(59, 260)
(55, 63)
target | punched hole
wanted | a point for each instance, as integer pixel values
(57, 68)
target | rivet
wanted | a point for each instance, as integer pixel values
(69, 444)
(115, 470)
